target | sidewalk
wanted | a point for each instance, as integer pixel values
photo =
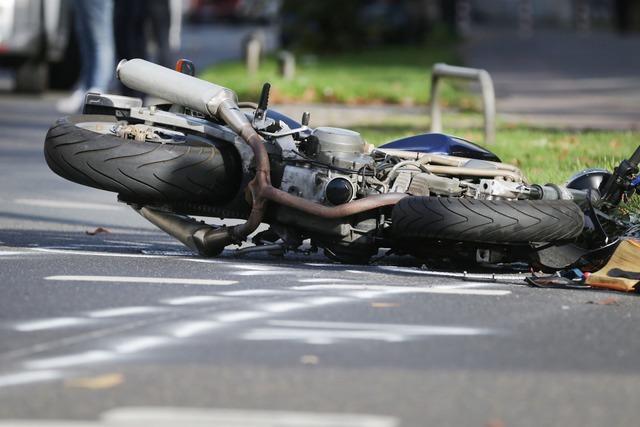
(562, 79)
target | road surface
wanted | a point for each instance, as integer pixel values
(127, 327)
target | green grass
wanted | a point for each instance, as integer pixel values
(395, 75)
(543, 155)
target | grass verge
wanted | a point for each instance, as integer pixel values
(544, 155)
(394, 75)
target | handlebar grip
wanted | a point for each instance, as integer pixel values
(172, 86)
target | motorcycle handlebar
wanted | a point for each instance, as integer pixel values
(172, 86)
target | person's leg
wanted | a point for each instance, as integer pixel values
(160, 17)
(85, 44)
(100, 23)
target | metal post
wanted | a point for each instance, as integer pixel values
(287, 65)
(488, 96)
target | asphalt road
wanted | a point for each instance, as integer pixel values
(128, 327)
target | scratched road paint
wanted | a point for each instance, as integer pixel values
(320, 332)
(392, 289)
(143, 280)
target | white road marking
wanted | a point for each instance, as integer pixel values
(53, 323)
(189, 329)
(153, 416)
(65, 361)
(327, 280)
(8, 253)
(254, 292)
(205, 261)
(320, 264)
(140, 343)
(388, 289)
(45, 203)
(149, 280)
(284, 306)
(123, 311)
(127, 243)
(28, 378)
(92, 253)
(239, 316)
(312, 332)
(261, 273)
(194, 299)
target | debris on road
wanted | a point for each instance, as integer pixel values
(98, 230)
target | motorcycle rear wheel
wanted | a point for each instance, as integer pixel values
(487, 221)
(140, 171)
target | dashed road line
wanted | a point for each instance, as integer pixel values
(146, 280)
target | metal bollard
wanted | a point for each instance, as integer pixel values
(287, 65)
(252, 49)
(488, 96)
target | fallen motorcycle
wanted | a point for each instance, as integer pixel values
(434, 196)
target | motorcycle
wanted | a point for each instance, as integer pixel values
(433, 196)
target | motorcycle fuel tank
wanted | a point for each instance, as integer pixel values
(440, 143)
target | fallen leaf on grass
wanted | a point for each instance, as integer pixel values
(384, 304)
(97, 231)
(96, 383)
(606, 301)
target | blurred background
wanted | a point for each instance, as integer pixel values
(561, 68)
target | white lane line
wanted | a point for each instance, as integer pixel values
(45, 203)
(28, 377)
(254, 292)
(447, 290)
(205, 261)
(53, 323)
(140, 343)
(123, 311)
(8, 253)
(93, 356)
(189, 329)
(93, 253)
(244, 418)
(127, 243)
(148, 280)
(261, 273)
(327, 280)
(194, 299)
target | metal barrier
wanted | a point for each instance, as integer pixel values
(488, 96)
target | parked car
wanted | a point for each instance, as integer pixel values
(34, 35)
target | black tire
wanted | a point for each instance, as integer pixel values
(487, 221)
(141, 171)
(32, 76)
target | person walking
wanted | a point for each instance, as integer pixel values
(94, 32)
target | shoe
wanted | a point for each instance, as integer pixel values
(73, 103)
